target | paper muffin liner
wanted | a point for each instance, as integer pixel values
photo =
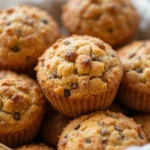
(21, 137)
(87, 104)
(133, 98)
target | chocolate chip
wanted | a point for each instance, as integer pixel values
(104, 131)
(139, 70)
(124, 4)
(66, 42)
(100, 124)
(43, 65)
(16, 116)
(104, 140)
(74, 85)
(77, 127)
(112, 55)
(75, 71)
(118, 129)
(67, 93)
(95, 1)
(86, 61)
(44, 21)
(28, 58)
(131, 55)
(100, 45)
(66, 136)
(110, 30)
(118, 137)
(50, 77)
(93, 57)
(15, 48)
(122, 135)
(88, 141)
(54, 75)
(71, 56)
(141, 136)
(100, 59)
(96, 17)
(8, 23)
(42, 81)
(18, 33)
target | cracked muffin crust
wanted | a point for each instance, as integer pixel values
(135, 85)
(101, 131)
(144, 120)
(79, 74)
(40, 146)
(22, 106)
(25, 33)
(114, 21)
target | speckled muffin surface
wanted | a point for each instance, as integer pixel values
(78, 67)
(101, 131)
(110, 20)
(22, 106)
(144, 120)
(35, 147)
(135, 58)
(25, 33)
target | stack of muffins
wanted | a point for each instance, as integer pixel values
(80, 78)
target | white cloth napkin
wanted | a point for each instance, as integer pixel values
(146, 147)
(143, 8)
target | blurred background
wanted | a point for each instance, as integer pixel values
(54, 8)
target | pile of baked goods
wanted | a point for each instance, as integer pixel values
(87, 91)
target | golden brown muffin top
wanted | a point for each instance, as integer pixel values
(110, 20)
(25, 33)
(21, 102)
(135, 58)
(75, 65)
(40, 146)
(144, 120)
(101, 131)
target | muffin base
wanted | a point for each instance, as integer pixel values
(29, 70)
(20, 138)
(87, 104)
(134, 98)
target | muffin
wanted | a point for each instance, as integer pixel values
(79, 74)
(101, 131)
(25, 33)
(52, 127)
(4, 147)
(135, 85)
(144, 120)
(109, 20)
(145, 147)
(35, 147)
(119, 108)
(22, 106)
